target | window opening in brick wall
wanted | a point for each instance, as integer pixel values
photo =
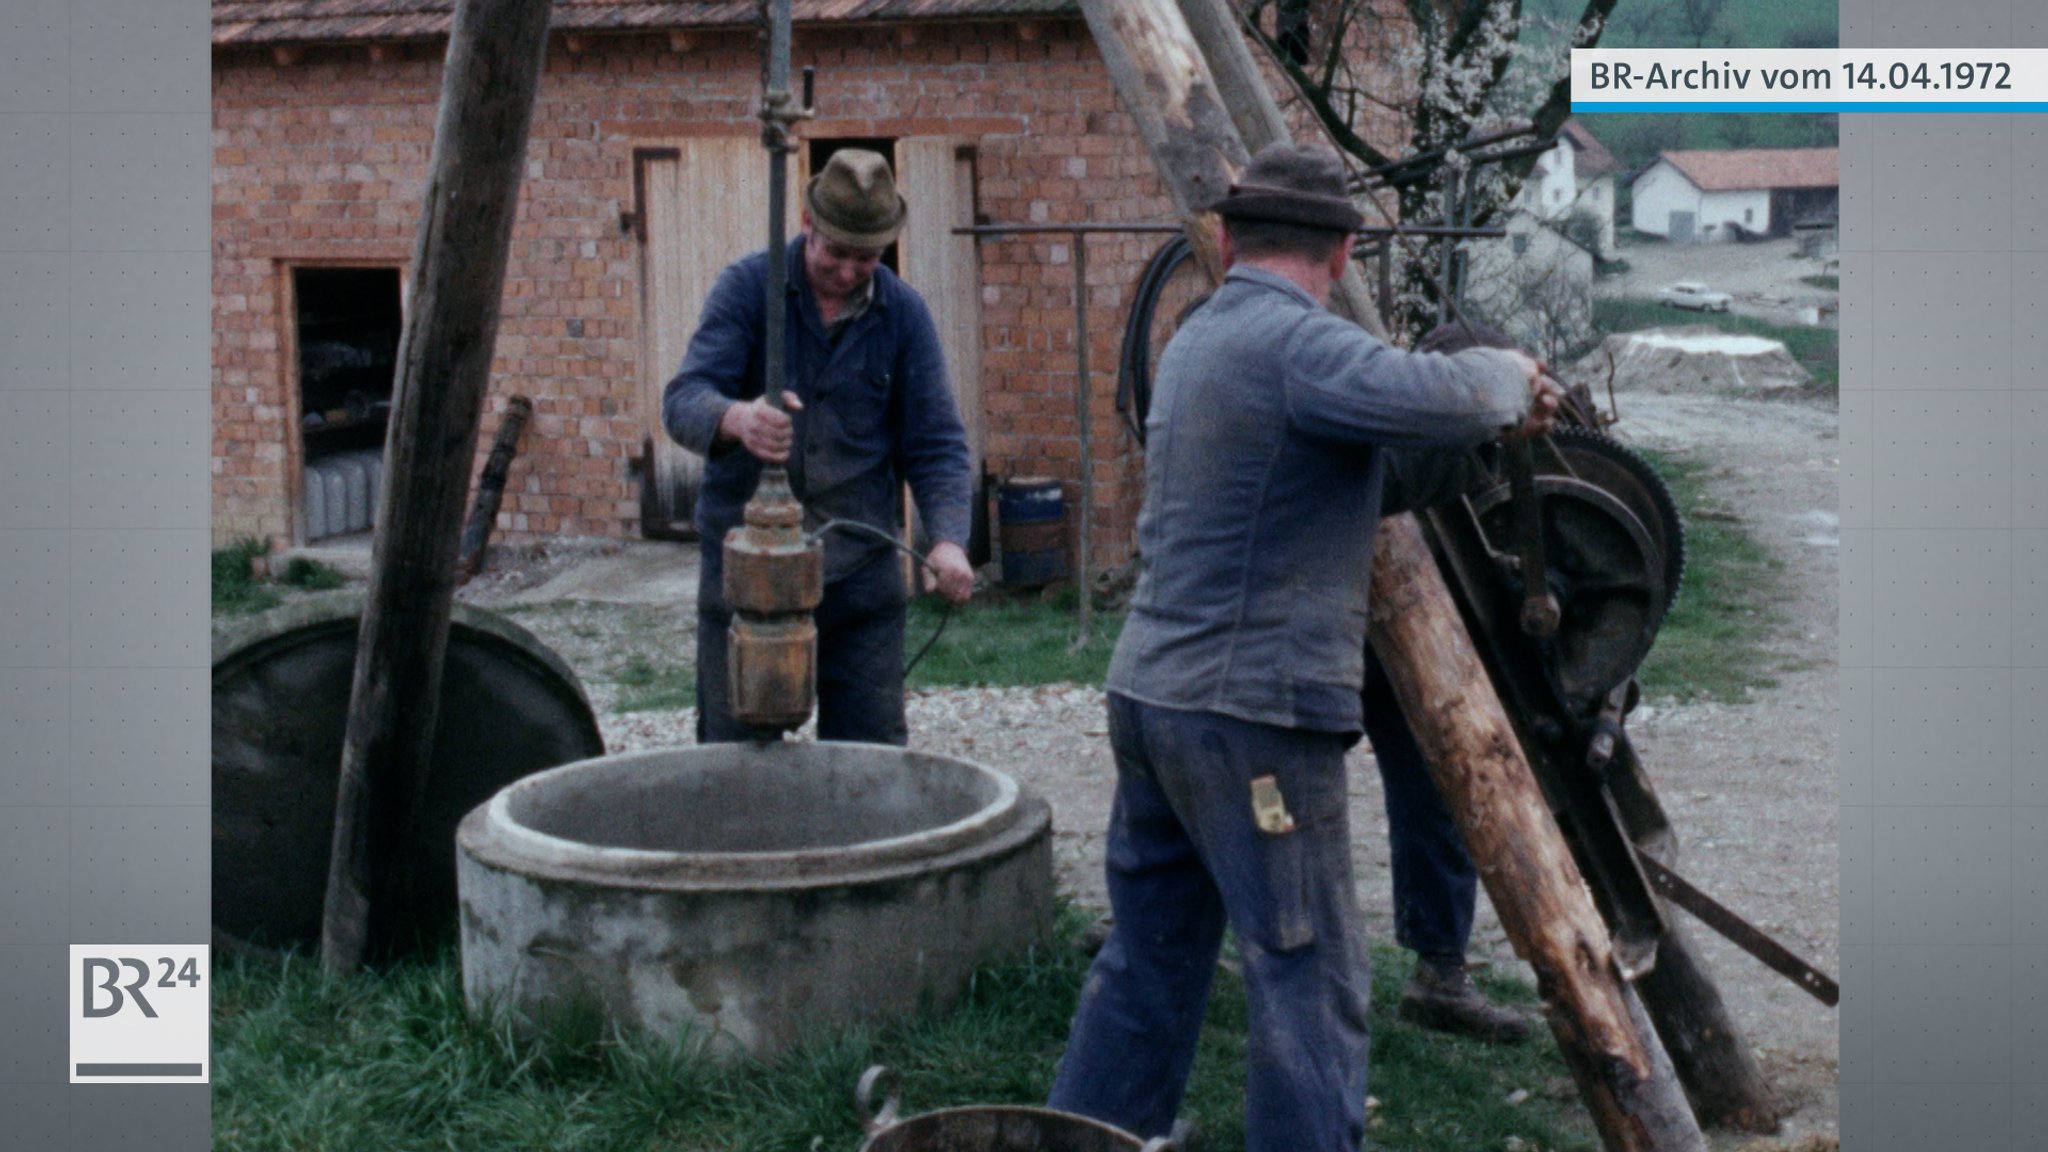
(821, 151)
(347, 323)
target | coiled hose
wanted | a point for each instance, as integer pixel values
(1134, 359)
(860, 529)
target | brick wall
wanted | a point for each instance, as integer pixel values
(320, 157)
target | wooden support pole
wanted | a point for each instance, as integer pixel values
(1167, 89)
(1213, 24)
(1623, 1073)
(1167, 85)
(495, 50)
(1721, 1075)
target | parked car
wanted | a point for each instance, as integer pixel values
(1694, 295)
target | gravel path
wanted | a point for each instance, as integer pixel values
(1751, 787)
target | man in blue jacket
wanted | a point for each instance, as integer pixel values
(1234, 691)
(868, 408)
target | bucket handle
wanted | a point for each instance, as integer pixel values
(875, 1120)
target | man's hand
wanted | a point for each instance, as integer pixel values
(759, 428)
(946, 569)
(1545, 394)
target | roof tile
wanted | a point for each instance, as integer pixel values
(1744, 168)
(313, 21)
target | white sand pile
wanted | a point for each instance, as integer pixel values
(1693, 359)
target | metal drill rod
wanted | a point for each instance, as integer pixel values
(775, 122)
(773, 576)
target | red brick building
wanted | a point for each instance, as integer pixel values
(645, 176)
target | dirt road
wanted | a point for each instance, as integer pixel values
(1764, 277)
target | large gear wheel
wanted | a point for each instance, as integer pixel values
(1614, 552)
(1602, 460)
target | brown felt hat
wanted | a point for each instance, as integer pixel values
(1297, 184)
(854, 201)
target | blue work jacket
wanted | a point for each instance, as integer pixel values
(1265, 461)
(877, 410)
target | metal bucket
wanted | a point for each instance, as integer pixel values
(985, 1129)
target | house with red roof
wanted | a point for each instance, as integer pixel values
(1699, 197)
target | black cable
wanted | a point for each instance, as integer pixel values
(1134, 359)
(890, 539)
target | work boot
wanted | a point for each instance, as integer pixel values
(1443, 998)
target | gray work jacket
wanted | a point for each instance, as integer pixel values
(1264, 466)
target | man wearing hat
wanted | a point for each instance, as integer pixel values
(1234, 691)
(868, 409)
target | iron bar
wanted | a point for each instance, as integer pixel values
(775, 121)
(1083, 403)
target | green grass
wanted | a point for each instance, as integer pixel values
(391, 1061)
(1711, 646)
(311, 575)
(1009, 643)
(236, 590)
(647, 686)
(1818, 350)
(1831, 283)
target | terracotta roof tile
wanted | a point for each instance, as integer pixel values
(312, 21)
(1593, 157)
(1744, 168)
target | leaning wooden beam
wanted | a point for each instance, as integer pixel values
(490, 489)
(495, 50)
(1168, 87)
(1213, 24)
(1544, 906)
(1722, 1076)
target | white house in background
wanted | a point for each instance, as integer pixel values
(1536, 284)
(1577, 176)
(1710, 197)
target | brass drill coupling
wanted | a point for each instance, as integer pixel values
(774, 579)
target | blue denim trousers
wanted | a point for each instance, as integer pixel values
(1436, 888)
(1185, 858)
(860, 655)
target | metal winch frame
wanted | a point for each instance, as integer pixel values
(1563, 561)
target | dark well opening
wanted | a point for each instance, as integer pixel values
(734, 799)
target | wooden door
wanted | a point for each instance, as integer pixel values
(702, 206)
(936, 175)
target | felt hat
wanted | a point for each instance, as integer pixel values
(854, 201)
(1296, 184)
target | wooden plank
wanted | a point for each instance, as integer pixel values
(700, 212)
(672, 475)
(938, 180)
